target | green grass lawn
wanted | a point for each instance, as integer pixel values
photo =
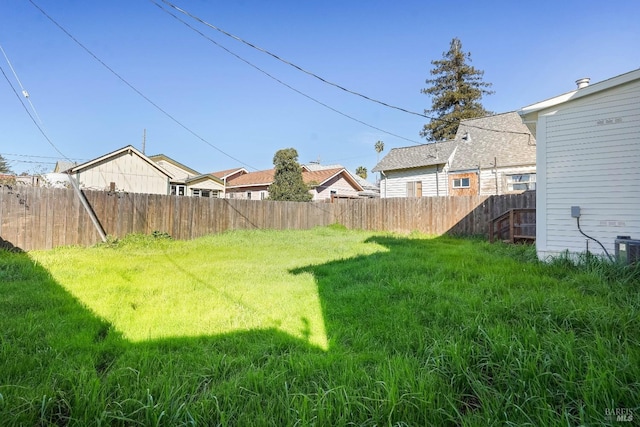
(324, 327)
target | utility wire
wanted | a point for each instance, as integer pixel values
(299, 68)
(24, 92)
(278, 80)
(135, 89)
(31, 156)
(31, 117)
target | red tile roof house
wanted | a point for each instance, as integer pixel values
(324, 184)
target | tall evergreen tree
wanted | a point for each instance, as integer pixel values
(456, 92)
(4, 166)
(287, 181)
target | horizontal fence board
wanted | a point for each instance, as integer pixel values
(43, 218)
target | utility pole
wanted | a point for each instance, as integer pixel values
(144, 140)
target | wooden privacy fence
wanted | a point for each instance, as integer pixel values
(43, 218)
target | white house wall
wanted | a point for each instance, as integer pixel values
(488, 181)
(394, 183)
(589, 156)
(128, 172)
(205, 185)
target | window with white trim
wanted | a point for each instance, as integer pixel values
(197, 192)
(178, 190)
(461, 183)
(521, 182)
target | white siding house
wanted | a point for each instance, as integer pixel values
(495, 155)
(420, 171)
(588, 155)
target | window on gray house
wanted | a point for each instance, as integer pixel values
(461, 183)
(521, 182)
(414, 189)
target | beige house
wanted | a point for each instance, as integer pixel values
(189, 182)
(129, 170)
(126, 169)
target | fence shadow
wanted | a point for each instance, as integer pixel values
(476, 221)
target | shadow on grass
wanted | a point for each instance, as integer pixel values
(419, 335)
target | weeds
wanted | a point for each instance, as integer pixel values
(318, 327)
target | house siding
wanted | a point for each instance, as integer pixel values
(494, 182)
(206, 184)
(394, 183)
(129, 172)
(338, 184)
(243, 192)
(473, 184)
(176, 172)
(590, 149)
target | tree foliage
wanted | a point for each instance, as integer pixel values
(4, 166)
(361, 171)
(456, 92)
(287, 181)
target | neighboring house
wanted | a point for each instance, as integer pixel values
(189, 182)
(417, 171)
(126, 169)
(324, 184)
(494, 155)
(369, 190)
(588, 156)
(63, 165)
(229, 174)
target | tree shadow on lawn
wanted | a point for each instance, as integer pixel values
(409, 341)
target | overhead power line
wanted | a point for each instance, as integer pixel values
(94, 56)
(322, 79)
(297, 67)
(278, 80)
(31, 117)
(24, 91)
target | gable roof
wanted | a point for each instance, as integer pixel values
(529, 113)
(435, 153)
(63, 166)
(366, 185)
(159, 157)
(129, 149)
(203, 177)
(318, 177)
(228, 172)
(501, 138)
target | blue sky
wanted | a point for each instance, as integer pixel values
(529, 51)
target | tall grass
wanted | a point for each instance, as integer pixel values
(319, 327)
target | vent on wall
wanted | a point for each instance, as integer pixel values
(627, 250)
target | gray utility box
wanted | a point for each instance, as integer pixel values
(627, 250)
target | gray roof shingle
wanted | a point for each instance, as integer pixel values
(436, 153)
(502, 137)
